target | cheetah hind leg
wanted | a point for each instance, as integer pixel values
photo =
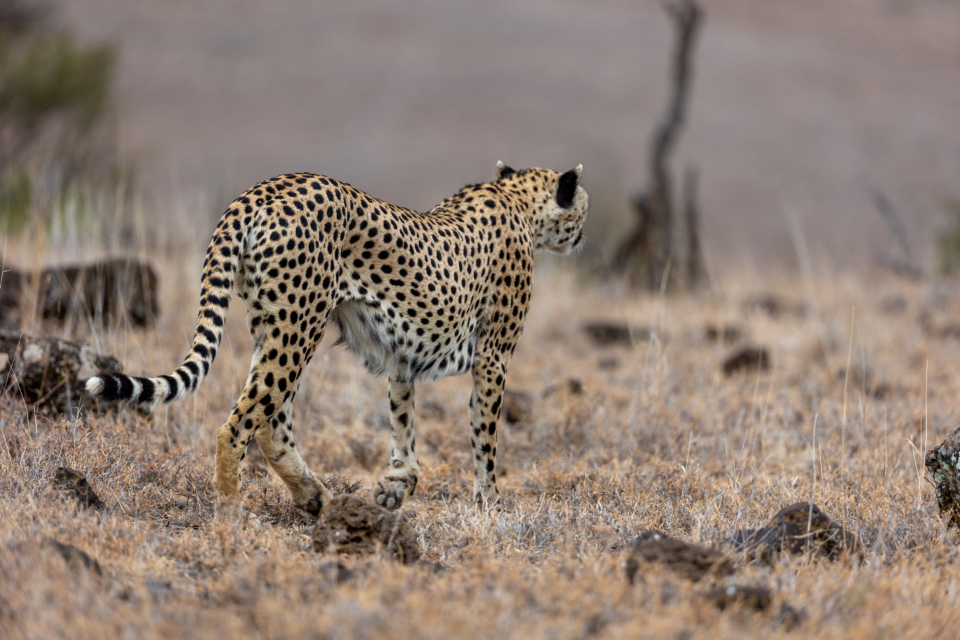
(276, 442)
(400, 481)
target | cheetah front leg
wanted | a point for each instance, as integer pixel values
(488, 379)
(399, 482)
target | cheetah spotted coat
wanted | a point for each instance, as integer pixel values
(415, 295)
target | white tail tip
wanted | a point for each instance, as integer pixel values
(94, 386)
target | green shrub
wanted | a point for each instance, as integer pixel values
(50, 74)
(16, 192)
(54, 92)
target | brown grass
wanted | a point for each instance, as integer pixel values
(663, 440)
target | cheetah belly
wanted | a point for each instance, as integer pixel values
(386, 349)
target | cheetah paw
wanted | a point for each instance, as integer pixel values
(390, 493)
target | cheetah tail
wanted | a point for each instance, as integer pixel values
(220, 265)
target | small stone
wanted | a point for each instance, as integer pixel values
(789, 617)
(796, 529)
(751, 359)
(74, 557)
(570, 386)
(49, 373)
(713, 333)
(517, 406)
(608, 364)
(774, 306)
(610, 334)
(116, 289)
(943, 463)
(749, 597)
(690, 561)
(75, 483)
(353, 525)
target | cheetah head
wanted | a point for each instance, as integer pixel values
(558, 205)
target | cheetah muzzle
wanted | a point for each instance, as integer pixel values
(416, 296)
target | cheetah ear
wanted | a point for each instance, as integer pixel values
(567, 186)
(503, 170)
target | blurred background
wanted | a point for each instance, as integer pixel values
(796, 109)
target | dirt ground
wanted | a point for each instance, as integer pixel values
(651, 435)
(797, 105)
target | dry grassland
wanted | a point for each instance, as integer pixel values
(657, 438)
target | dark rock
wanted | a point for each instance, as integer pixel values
(608, 334)
(336, 571)
(74, 557)
(951, 331)
(749, 358)
(357, 526)
(690, 561)
(774, 306)
(608, 364)
(943, 463)
(110, 289)
(431, 411)
(796, 529)
(749, 597)
(727, 334)
(517, 406)
(49, 373)
(893, 305)
(570, 386)
(789, 617)
(75, 483)
(430, 567)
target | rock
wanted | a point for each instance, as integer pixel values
(749, 358)
(75, 483)
(774, 306)
(690, 561)
(357, 526)
(749, 597)
(608, 364)
(517, 406)
(607, 334)
(892, 305)
(431, 411)
(76, 559)
(943, 463)
(112, 289)
(789, 617)
(713, 333)
(570, 386)
(49, 373)
(795, 529)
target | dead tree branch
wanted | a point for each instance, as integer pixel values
(696, 269)
(899, 259)
(645, 253)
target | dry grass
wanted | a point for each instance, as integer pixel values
(657, 439)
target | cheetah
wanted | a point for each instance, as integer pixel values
(416, 296)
